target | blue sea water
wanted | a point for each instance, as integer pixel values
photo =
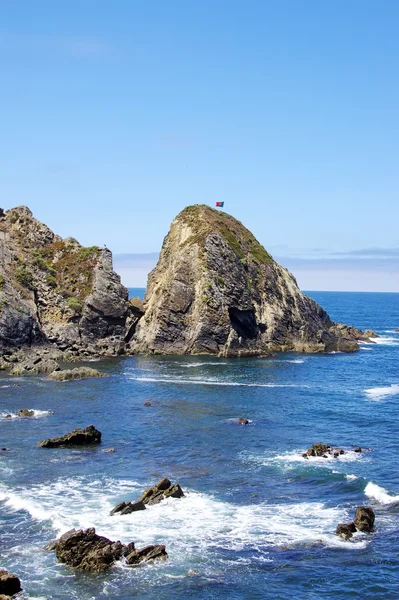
(257, 521)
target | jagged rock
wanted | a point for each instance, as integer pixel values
(77, 437)
(346, 530)
(216, 290)
(37, 366)
(86, 550)
(319, 449)
(146, 554)
(77, 373)
(25, 412)
(9, 584)
(53, 290)
(364, 518)
(242, 421)
(152, 495)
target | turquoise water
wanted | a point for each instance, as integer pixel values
(257, 521)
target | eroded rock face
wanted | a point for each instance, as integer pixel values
(77, 437)
(152, 495)
(364, 518)
(54, 290)
(85, 550)
(216, 290)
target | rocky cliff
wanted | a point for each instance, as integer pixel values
(216, 290)
(54, 290)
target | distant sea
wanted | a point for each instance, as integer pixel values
(136, 292)
(257, 520)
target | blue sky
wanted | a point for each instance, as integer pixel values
(116, 115)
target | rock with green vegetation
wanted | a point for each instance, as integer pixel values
(77, 373)
(216, 290)
(55, 291)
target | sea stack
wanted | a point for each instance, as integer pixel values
(55, 291)
(216, 290)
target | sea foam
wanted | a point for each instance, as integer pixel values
(380, 494)
(379, 393)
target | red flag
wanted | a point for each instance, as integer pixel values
(220, 204)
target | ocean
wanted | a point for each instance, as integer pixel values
(257, 520)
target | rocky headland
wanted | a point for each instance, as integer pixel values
(216, 290)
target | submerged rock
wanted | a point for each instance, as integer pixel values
(73, 374)
(364, 518)
(152, 495)
(9, 584)
(216, 290)
(77, 437)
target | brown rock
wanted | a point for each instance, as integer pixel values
(148, 403)
(9, 584)
(77, 437)
(25, 412)
(346, 530)
(146, 554)
(364, 518)
(242, 421)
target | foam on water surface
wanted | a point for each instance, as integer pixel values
(37, 413)
(197, 381)
(191, 526)
(379, 393)
(380, 494)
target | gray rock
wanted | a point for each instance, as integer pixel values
(216, 290)
(77, 437)
(156, 552)
(25, 412)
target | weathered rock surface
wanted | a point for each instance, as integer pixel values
(346, 530)
(25, 412)
(85, 550)
(9, 584)
(77, 373)
(324, 450)
(77, 437)
(364, 521)
(156, 552)
(55, 291)
(216, 290)
(364, 518)
(152, 495)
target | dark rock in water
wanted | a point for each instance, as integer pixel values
(86, 550)
(25, 412)
(146, 554)
(358, 449)
(242, 421)
(9, 584)
(4, 449)
(216, 290)
(77, 437)
(152, 495)
(148, 403)
(364, 518)
(77, 373)
(8, 417)
(35, 366)
(319, 449)
(305, 455)
(346, 530)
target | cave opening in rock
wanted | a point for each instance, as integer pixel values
(244, 322)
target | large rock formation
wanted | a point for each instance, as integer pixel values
(55, 290)
(216, 290)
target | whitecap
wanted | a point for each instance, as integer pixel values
(201, 364)
(380, 494)
(361, 348)
(193, 527)
(214, 382)
(379, 393)
(386, 340)
(36, 414)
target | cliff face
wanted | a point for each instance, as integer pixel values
(216, 290)
(54, 289)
